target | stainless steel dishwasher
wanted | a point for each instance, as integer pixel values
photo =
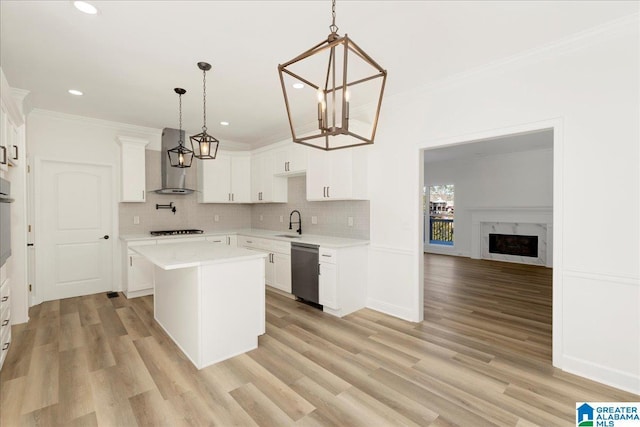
(304, 271)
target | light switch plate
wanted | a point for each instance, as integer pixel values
(136, 219)
(350, 221)
(281, 218)
(314, 220)
(216, 218)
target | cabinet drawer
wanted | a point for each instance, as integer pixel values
(254, 242)
(5, 290)
(222, 239)
(328, 255)
(141, 243)
(281, 247)
(5, 321)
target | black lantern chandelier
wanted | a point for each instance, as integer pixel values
(328, 77)
(204, 145)
(180, 156)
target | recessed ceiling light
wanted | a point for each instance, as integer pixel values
(75, 92)
(85, 7)
(224, 123)
(298, 85)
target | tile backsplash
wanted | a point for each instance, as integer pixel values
(189, 213)
(332, 217)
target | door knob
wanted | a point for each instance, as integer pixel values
(105, 237)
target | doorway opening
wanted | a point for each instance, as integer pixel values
(480, 287)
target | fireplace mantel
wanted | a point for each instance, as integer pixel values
(512, 220)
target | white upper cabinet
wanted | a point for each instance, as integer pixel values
(291, 160)
(132, 169)
(265, 187)
(226, 179)
(337, 175)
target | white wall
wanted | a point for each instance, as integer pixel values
(509, 180)
(587, 88)
(57, 136)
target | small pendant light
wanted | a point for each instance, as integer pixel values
(180, 156)
(325, 79)
(204, 145)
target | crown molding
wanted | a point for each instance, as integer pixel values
(121, 127)
(615, 28)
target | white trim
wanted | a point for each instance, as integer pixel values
(556, 48)
(603, 374)
(98, 122)
(391, 249)
(603, 277)
(132, 140)
(391, 309)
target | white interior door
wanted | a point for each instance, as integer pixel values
(74, 248)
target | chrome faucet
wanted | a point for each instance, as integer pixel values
(299, 222)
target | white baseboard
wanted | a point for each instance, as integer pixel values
(392, 310)
(602, 374)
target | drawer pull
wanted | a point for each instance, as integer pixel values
(5, 323)
(5, 298)
(5, 346)
(328, 256)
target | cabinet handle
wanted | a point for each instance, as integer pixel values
(130, 262)
(324, 191)
(319, 270)
(228, 240)
(5, 298)
(249, 241)
(15, 156)
(328, 192)
(5, 323)
(5, 346)
(4, 155)
(233, 197)
(142, 194)
(328, 256)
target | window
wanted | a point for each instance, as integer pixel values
(441, 212)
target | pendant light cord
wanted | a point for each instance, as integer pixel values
(333, 27)
(204, 100)
(180, 141)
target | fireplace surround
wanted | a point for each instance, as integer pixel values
(526, 221)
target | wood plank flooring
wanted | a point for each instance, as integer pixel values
(480, 358)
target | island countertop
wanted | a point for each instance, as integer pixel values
(321, 240)
(172, 256)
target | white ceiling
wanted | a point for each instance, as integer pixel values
(529, 141)
(129, 57)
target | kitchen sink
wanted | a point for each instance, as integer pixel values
(288, 236)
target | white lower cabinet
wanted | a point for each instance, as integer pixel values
(139, 272)
(278, 262)
(342, 286)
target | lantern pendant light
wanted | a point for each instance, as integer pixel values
(180, 156)
(319, 84)
(204, 145)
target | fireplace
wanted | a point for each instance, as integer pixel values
(513, 244)
(530, 222)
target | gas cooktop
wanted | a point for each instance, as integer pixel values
(175, 232)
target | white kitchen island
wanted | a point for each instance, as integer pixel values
(209, 298)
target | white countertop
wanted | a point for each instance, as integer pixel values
(172, 256)
(324, 241)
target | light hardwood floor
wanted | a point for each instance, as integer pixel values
(480, 358)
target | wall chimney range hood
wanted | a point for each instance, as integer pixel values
(173, 179)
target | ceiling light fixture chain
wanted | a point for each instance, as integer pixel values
(204, 100)
(333, 27)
